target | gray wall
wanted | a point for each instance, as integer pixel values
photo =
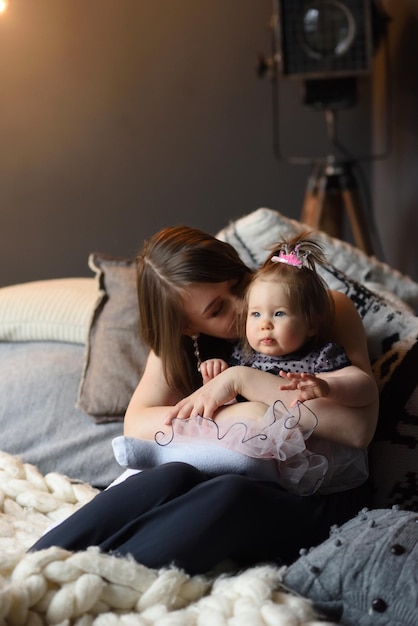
(118, 118)
(395, 179)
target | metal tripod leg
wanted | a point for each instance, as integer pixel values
(331, 189)
(357, 218)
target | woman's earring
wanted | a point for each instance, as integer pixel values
(196, 351)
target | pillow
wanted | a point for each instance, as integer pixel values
(365, 573)
(206, 456)
(39, 422)
(254, 233)
(49, 310)
(115, 356)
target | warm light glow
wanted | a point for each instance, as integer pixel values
(3, 5)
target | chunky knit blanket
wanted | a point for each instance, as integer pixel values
(55, 586)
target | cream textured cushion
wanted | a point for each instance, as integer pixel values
(49, 310)
(252, 235)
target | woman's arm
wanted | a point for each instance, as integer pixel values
(153, 400)
(150, 402)
(352, 426)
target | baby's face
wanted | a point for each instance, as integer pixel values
(273, 327)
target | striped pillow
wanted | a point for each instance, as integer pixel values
(49, 310)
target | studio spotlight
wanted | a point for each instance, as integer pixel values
(324, 38)
(327, 45)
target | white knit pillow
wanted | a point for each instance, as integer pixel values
(252, 235)
(49, 310)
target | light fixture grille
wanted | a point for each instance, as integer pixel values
(325, 38)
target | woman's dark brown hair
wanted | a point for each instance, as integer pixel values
(170, 261)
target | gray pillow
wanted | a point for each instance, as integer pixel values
(38, 419)
(115, 356)
(365, 573)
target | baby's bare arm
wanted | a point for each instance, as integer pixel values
(348, 386)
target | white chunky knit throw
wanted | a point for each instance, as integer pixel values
(55, 586)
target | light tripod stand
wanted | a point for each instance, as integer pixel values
(331, 190)
(328, 48)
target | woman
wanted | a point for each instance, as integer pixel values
(190, 287)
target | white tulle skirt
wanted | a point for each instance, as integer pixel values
(279, 435)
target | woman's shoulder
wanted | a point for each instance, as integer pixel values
(345, 311)
(348, 331)
(342, 301)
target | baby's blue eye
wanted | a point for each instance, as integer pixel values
(279, 313)
(255, 314)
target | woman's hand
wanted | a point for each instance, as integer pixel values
(207, 399)
(308, 385)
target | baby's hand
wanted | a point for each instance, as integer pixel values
(207, 399)
(309, 385)
(211, 368)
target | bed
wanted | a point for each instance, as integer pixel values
(70, 358)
